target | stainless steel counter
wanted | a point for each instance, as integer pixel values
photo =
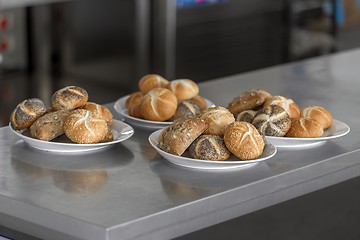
(130, 192)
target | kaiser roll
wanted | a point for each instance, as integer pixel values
(26, 112)
(286, 103)
(209, 147)
(151, 81)
(99, 111)
(200, 101)
(249, 100)
(319, 114)
(217, 119)
(133, 99)
(69, 98)
(186, 108)
(183, 88)
(246, 116)
(305, 128)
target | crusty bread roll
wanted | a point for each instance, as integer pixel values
(217, 118)
(200, 101)
(178, 136)
(288, 104)
(109, 136)
(69, 98)
(186, 108)
(159, 104)
(134, 99)
(135, 111)
(183, 88)
(209, 147)
(319, 114)
(49, 126)
(246, 116)
(249, 100)
(151, 81)
(244, 141)
(99, 111)
(26, 113)
(305, 128)
(272, 120)
(81, 127)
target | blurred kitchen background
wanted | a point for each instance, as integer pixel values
(106, 46)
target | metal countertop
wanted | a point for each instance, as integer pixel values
(130, 192)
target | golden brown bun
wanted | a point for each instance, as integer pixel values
(69, 98)
(186, 108)
(200, 101)
(178, 136)
(249, 100)
(99, 111)
(319, 114)
(134, 99)
(26, 113)
(159, 104)
(217, 118)
(81, 127)
(183, 88)
(244, 141)
(49, 126)
(151, 81)
(135, 111)
(305, 128)
(246, 116)
(209, 147)
(272, 121)
(109, 136)
(288, 104)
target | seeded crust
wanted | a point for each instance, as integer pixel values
(244, 141)
(319, 114)
(209, 147)
(69, 98)
(49, 126)
(249, 100)
(272, 121)
(99, 111)
(81, 127)
(286, 103)
(178, 136)
(305, 128)
(186, 108)
(246, 116)
(217, 118)
(26, 113)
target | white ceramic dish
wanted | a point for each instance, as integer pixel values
(187, 161)
(62, 144)
(336, 130)
(120, 108)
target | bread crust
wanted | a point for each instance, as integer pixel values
(318, 113)
(183, 88)
(249, 100)
(244, 141)
(186, 108)
(26, 113)
(134, 99)
(151, 81)
(286, 103)
(178, 136)
(200, 101)
(217, 119)
(246, 116)
(69, 98)
(99, 111)
(305, 128)
(209, 147)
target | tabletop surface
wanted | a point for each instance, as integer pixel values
(130, 192)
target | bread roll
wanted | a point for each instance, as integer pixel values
(217, 119)
(183, 88)
(246, 116)
(249, 100)
(135, 111)
(151, 81)
(209, 147)
(319, 114)
(159, 104)
(99, 111)
(305, 128)
(81, 127)
(178, 136)
(272, 121)
(244, 141)
(200, 101)
(186, 108)
(134, 99)
(49, 126)
(109, 136)
(69, 98)
(26, 113)
(286, 103)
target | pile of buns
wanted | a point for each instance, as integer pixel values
(70, 113)
(280, 116)
(159, 99)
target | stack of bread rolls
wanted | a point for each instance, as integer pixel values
(159, 99)
(70, 113)
(279, 116)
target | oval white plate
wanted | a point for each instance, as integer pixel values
(336, 130)
(120, 130)
(187, 161)
(120, 108)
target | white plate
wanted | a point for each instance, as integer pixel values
(120, 130)
(186, 161)
(120, 108)
(336, 130)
